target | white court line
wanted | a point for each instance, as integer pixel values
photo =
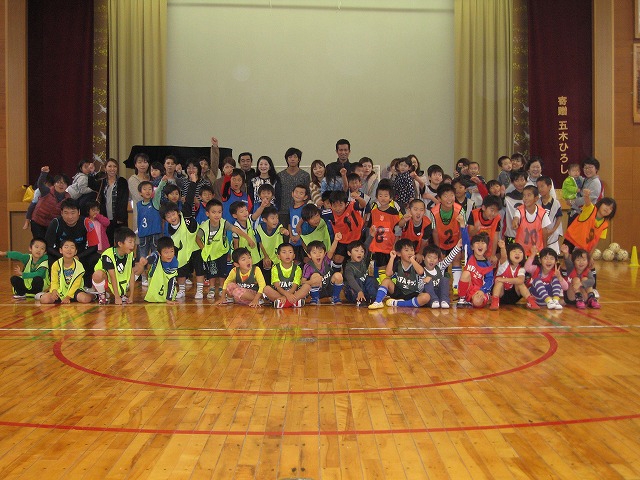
(284, 330)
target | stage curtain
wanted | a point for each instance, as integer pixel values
(60, 61)
(483, 110)
(560, 84)
(137, 60)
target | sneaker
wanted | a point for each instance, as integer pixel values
(19, 297)
(279, 303)
(557, 305)
(551, 305)
(212, 294)
(38, 296)
(180, 294)
(229, 300)
(336, 301)
(199, 296)
(596, 294)
(435, 304)
(462, 303)
(531, 303)
(299, 303)
(444, 305)
(103, 300)
(592, 302)
(124, 299)
(391, 302)
(376, 305)
(189, 282)
(580, 304)
(145, 282)
(313, 301)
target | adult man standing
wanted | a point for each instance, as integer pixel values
(70, 225)
(290, 178)
(245, 159)
(336, 173)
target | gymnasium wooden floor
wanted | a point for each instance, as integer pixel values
(196, 391)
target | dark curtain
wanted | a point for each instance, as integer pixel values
(60, 66)
(560, 67)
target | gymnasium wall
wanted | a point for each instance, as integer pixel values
(625, 186)
(306, 73)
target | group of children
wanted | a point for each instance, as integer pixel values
(352, 247)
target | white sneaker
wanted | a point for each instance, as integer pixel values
(198, 296)
(19, 297)
(145, 282)
(180, 294)
(189, 282)
(376, 305)
(551, 305)
(596, 294)
(391, 302)
(444, 304)
(435, 304)
(38, 296)
(556, 305)
(212, 294)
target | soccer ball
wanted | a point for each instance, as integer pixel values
(608, 255)
(597, 254)
(622, 255)
(614, 247)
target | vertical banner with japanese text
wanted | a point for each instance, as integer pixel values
(560, 84)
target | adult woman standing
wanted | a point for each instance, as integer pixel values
(318, 170)
(534, 171)
(266, 174)
(420, 179)
(194, 170)
(114, 198)
(141, 167)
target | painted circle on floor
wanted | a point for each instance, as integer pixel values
(551, 349)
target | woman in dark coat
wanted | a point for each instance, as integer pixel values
(113, 196)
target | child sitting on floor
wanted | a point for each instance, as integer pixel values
(319, 275)
(245, 282)
(286, 288)
(409, 276)
(34, 277)
(66, 278)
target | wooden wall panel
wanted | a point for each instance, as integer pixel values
(4, 217)
(625, 188)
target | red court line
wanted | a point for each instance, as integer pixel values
(553, 347)
(22, 318)
(470, 428)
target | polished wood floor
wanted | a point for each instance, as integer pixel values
(196, 391)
